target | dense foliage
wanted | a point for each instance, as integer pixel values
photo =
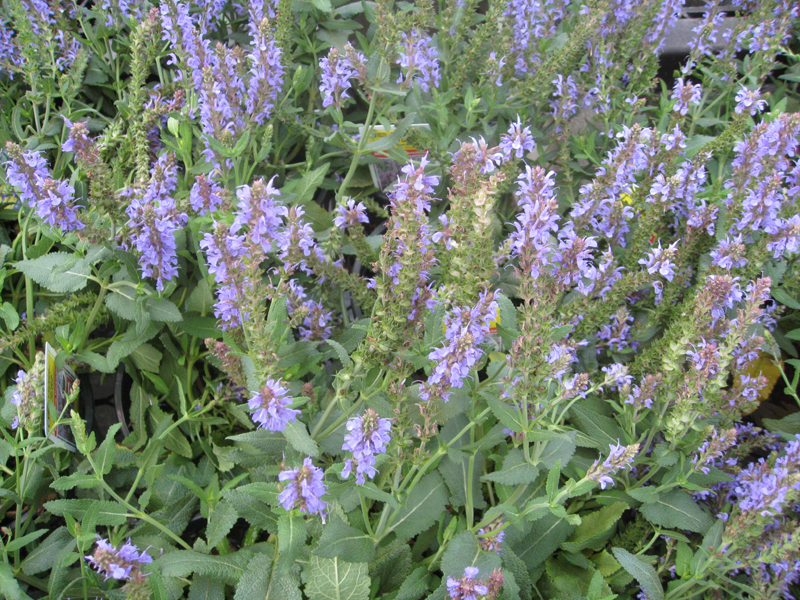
(411, 301)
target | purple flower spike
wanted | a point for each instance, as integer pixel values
(466, 588)
(418, 61)
(271, 407)
(351, 214)
(118, 564)
(749, 100)
(619, 457)
(517, 140)
(367, 436)
(685, 94)
(659, 261)
(336, 73)
(304, 489)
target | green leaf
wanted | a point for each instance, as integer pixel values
(81, 480)
(206, 588)
(505, 413)
(551, 485)
(415, 586)
(308, 185)
(254, 584)
(464, 551)
(600, 428)
(516, 470)
(789, 424)
(784, 298)
(10, 316)
(544, 538)
(201, 300)
(561, 448)
(161, 309)
(645, 495)
(676, 510)
(9, 586)
(391, 567)
(297, 435)
(422, 508)
(48, 271)
(147, 358)
(324, 6)
(40, 558)
(109, 514)
(341, 353)
(200, 327)
(292, 533)
(104, 456)
(595, 528)
(220, 523)
(643, 572)
(388, 141)
(122, 305)
(20, 543)
(335, 579)
(225, 567)
(343, 541)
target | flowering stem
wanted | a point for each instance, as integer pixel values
(359, 149)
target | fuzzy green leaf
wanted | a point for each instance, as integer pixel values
(254, 584)
(595, 528)
(225, 567)
(422, 508)
(109, 514)
(643, 572)
(676, 510)
(297, 435)
(335, 579)
(221, 522)
(9, 586)
(415, 586)
(343, 541)
(59, 272)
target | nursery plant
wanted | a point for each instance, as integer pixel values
(402, 300)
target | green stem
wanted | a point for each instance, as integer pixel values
(362, 142)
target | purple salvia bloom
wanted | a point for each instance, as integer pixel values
(787, 240)
(295, 242)
(729, 253)
(616, 335)
(618, 458)
(317, 322)
(565, 104)
(674, 139)
(206, 195)
(725, 293)
(350, 215)
(367, 436)
(573, 259)
(466, 588)
(749, 100)
(227, 309)
(705, 358)
(336, 73)
(117, 563)
(641, 396)
(517, 140)
(465, 330)
(10, 55)
(538, 219)
(266, 73)
(659, 261)
(270, 407)
(492, 538)
(260, 212)
(685, 94)
(304, 489)
(617, 376)
(28, 175)
(418, 61)
(713, 449)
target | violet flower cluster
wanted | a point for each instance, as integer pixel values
(367, 435)
(118, 563)
(418, 61)
(270, 406)
(619, 457)
(303, 489)
(466, 588)
(53, 199)
(154, 220)
(337, 70)
(465, 330)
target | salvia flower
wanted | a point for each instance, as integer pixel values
(260, 212)
(729, 253)
(120, 563)
(304, 489)
(660, 261)
(465, 330)
(29, 395)
(350, 215)
(491, 536)
(685, 94)
(618, 458)
(749, 100)
(206, 195)
(713, 448)
(517, 140)
(418, 61)
(367, 436)
(266, 73)
(466, 588)
(270, 407)
(336, 73)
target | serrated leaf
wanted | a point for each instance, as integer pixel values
(546, 535)
(391, 567)
(224, 567)
(310, 182)
(599, 428)
(561, 448)
(297, 435)
(341, 353)
(505, 413)
(335, 579)
(10, 316)
(345, 542)
(676, 510)
(516, 470)
(222, 520)
(9, 586)
(292, 533)
(109, 514)
(464, 551)
(161, 309)
(645, 495)
(201, 300)
(45, 271)
(147, 358)
(206, 588)
(595, 528)
(553, 476)
(40, 558)
(422, 508)
(254, 584)
(415, 586)
(643, 572)
(784, 298)
(81, 480)
(23, 541)
(384, 143)
(122, 305)
(104, 456)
